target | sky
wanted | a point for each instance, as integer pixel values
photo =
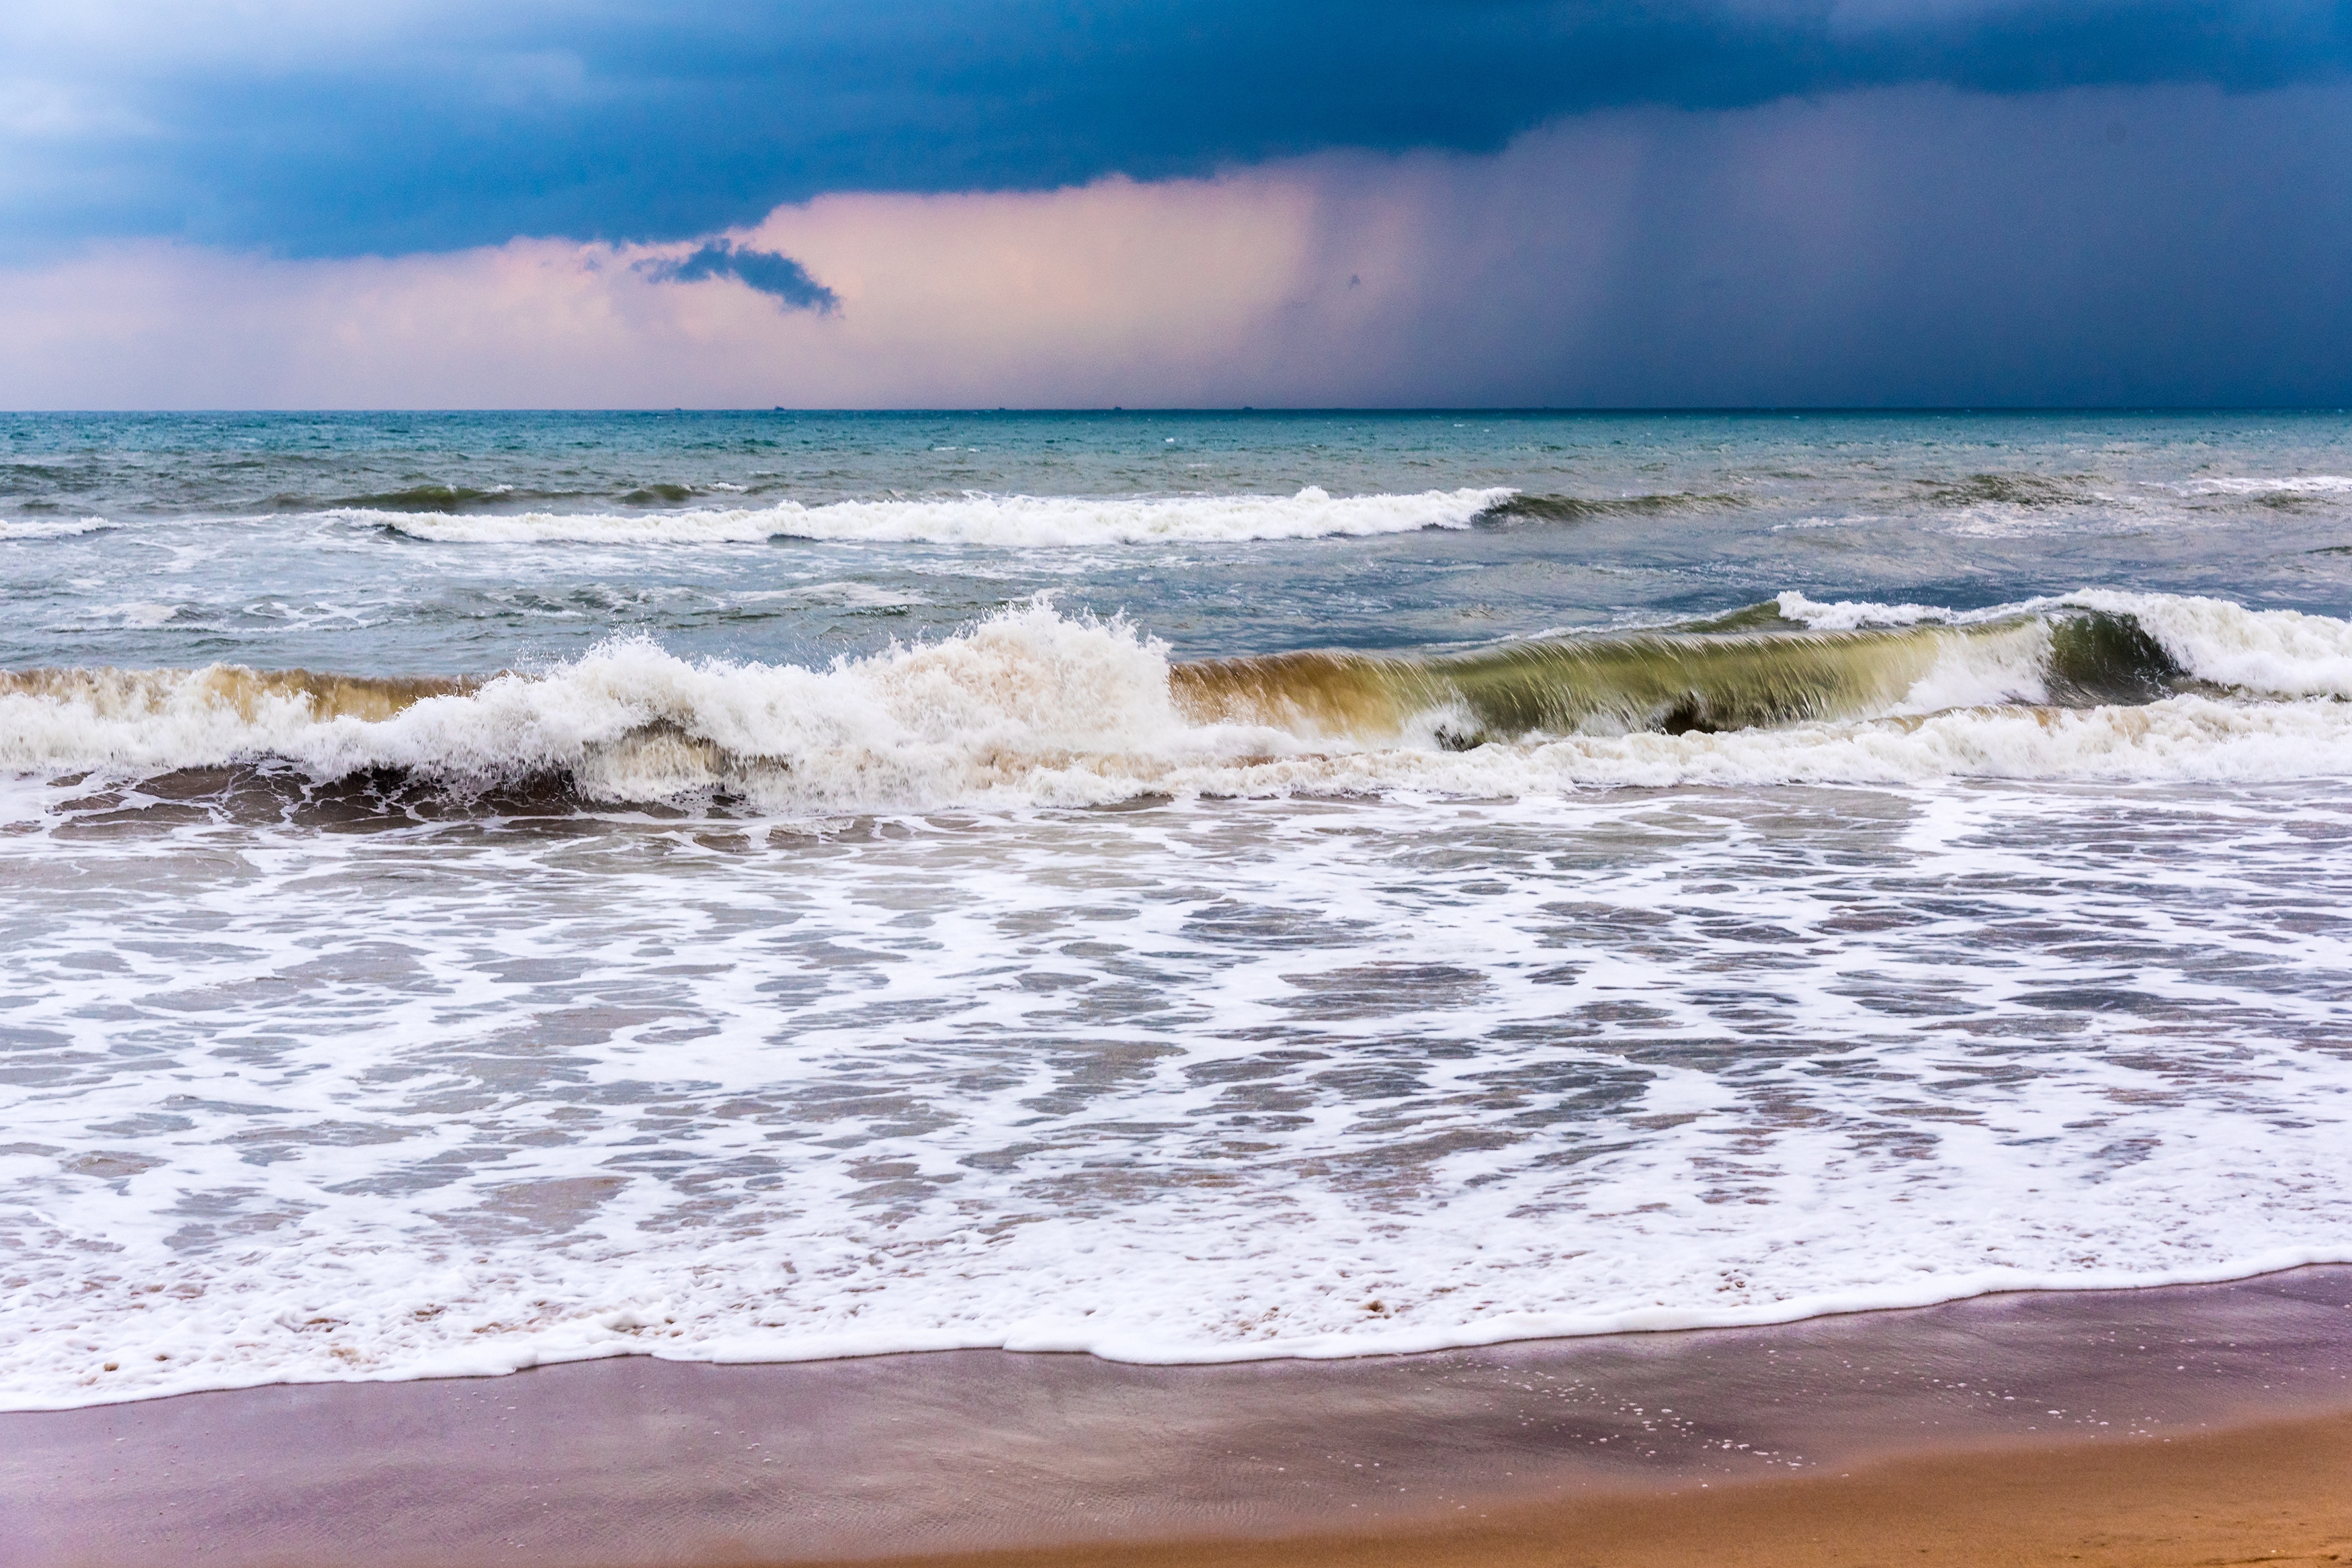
(1415, 203)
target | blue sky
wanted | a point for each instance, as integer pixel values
(278, 131)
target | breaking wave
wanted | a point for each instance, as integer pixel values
(1523, 508)
(974, 519)
(1032, 708)
(2307, 484)
(63, 528)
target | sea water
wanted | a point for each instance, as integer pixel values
(479, 890)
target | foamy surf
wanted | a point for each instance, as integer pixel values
(1164, 1085)
(1000, 521)
(1031, 707)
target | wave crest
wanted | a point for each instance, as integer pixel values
(61, 529)
(975, 520)
(1031, 707)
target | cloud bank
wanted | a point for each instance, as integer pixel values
(396, 126)
(1916, 244)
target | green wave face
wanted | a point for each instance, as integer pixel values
(2098, 658)
(1735, 673)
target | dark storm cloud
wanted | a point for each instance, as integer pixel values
(1907, 246)
(777, 276)
(435, 126)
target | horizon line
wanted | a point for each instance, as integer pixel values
(1225, 408)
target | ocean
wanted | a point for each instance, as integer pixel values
(485, 890)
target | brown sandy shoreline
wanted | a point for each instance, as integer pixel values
(2277, 1492)
(2185, 1424)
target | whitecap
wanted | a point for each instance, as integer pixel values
(1005, 521)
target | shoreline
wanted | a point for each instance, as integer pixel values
(1545, 1329)
(997, 1456)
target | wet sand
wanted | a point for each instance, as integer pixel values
(2214, 1421)
(2279, 1493)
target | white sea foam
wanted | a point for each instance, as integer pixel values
(979, 519)
(2307, 484)
(1849, 615)
(1191, 1084)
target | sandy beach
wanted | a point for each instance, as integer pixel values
(2275, 1492)
(2189, 1425)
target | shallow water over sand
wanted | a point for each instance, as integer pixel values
(1187, 1080)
